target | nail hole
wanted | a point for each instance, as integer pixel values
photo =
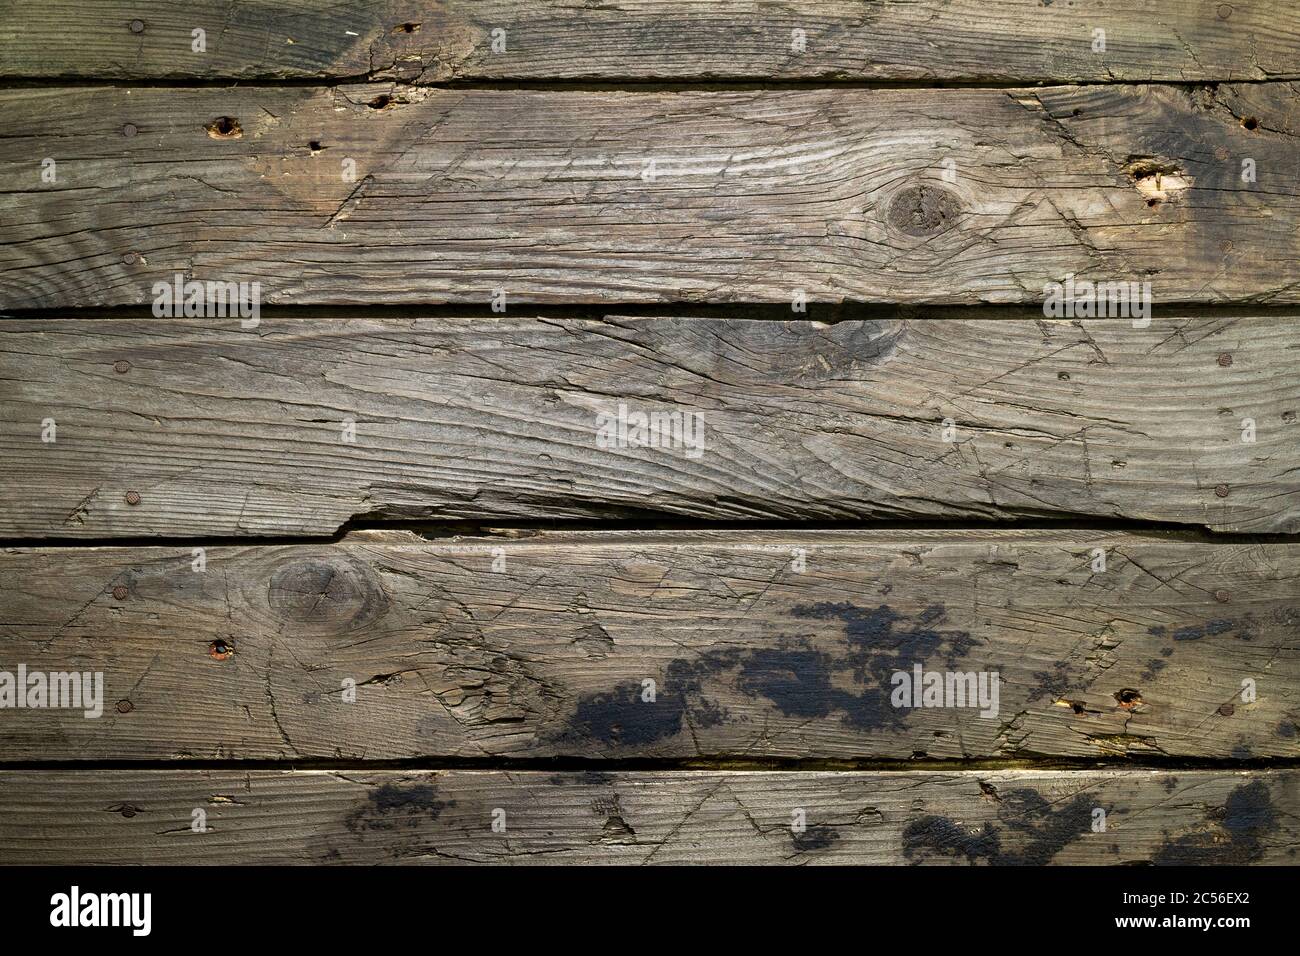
(225, 127)
(1128, 697)
(382, 101)
(315, 146)
(407, 28)
(1063, 376)
(1250, 122)
(219, 650)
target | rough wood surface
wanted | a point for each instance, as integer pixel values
(433, 42)
(751, 658)
(987, 818)
(223, 431)
(909, 195)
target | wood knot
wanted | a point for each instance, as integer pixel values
(923, 210)
(327, 594)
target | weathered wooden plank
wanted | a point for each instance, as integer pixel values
(1178, 648)
(223, 431)
(433, 42)
(382, 193)
(998, 818)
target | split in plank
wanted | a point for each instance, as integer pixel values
(197, 427)
(376, 193)
(983, 818)
(758, 646)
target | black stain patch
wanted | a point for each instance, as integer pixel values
(850, 680)
(395, 807)
(939, 836)
(814, 838)
(1041, 832)
(622, 717)
(1058, 683)
(1234, 833)
(1154, 667)
(1210, 629)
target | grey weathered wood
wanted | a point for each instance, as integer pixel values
(906, 195)
(434, 42)
(1000, 818)
(751, 658)
(224, 431)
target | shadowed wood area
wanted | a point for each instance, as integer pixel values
(759, 645)
(381, 193)
(433, 42)
(985, 818)
(223, 431)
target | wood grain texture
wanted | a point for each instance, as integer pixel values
(222, 431)
(909, 195)
(994, 818)
(435, 42)
(751, 658)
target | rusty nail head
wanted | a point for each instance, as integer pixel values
(125, 707)
(1225, 359)
(1221, 490)
(133, 497)
(121, 366)
(1222, 596)
(120, 592)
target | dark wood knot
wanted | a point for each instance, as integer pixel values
(923, 210)
(327, 594)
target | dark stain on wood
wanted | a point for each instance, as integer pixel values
(1042, 830)
(1234, 834)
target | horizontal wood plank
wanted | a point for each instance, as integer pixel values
(198, 427)
(383, 193)
(759, 645)
(428, 41)
(986, 818)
